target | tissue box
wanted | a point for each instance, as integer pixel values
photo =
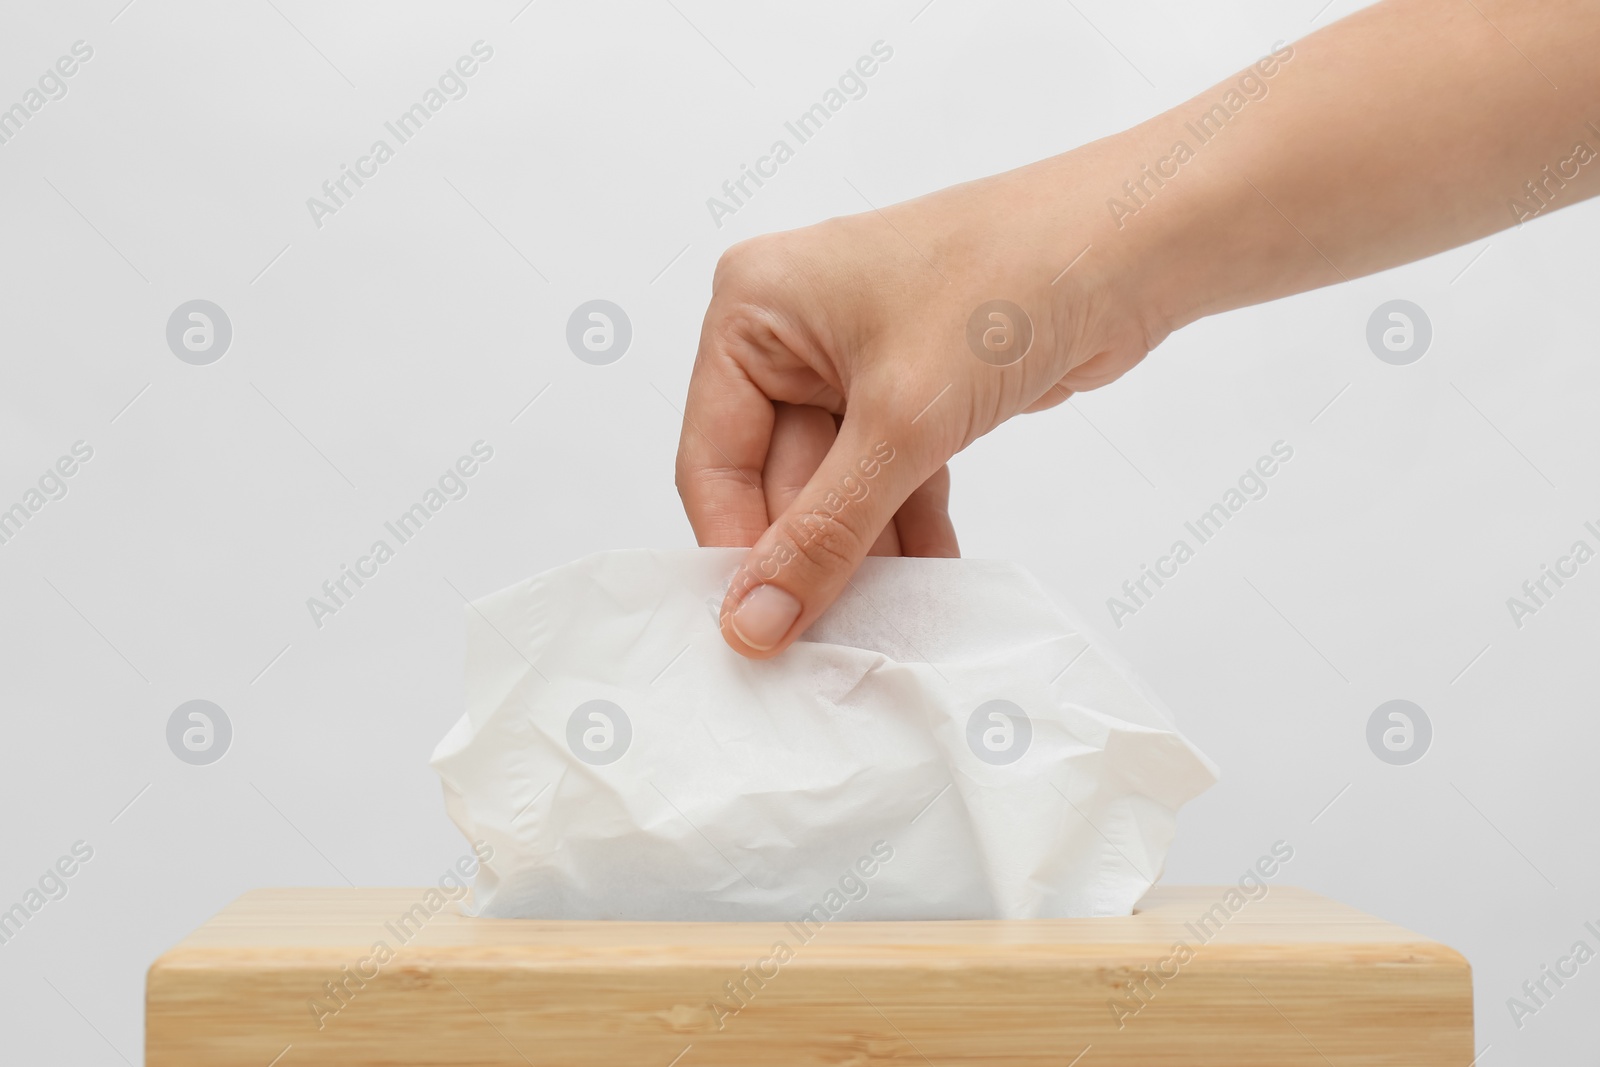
(1196, 976)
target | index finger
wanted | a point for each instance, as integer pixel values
(727, 429)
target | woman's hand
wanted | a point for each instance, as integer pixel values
(841, 366)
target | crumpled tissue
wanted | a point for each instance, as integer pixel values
(944, 743)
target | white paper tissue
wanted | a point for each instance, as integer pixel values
(943, 744)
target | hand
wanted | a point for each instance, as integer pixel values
(839, 366)
(835, 378)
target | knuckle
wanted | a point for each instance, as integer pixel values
(824, 542)
(683, 474)
(763, 264)
(740, 262)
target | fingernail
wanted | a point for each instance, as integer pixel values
(764, 616)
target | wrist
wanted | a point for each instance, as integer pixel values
(1186, 212)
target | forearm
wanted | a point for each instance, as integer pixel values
(1401, 131)
(1409, 128)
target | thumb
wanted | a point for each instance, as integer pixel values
(806, 557)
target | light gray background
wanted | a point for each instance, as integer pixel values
(369, 354)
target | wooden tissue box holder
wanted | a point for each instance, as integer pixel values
(306, 977)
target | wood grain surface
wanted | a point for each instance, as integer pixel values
(303, 977)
